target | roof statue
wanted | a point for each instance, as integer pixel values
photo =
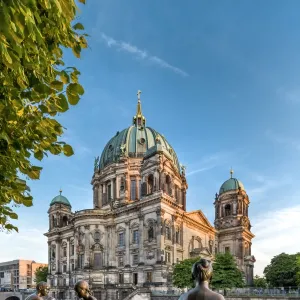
(182, 169)
(96, 163)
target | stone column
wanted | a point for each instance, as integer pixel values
(100, 196)
(68, 255)
(110, 246)
(57, 255)
(86, 245)
(174, 240)
(220, 211)
(113, 239)
(49, 258)
(117, 187)
(75, 249)
(234, 209)
(216, 211)
(106, 247)
(184, 199)
(159, 213)
(141, 237)
(95, 189)
(127, 244)
(136, 188)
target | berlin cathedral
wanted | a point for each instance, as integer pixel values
(138, 227)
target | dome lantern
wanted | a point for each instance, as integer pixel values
(139, 120)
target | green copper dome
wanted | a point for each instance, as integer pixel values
(231, 184)
(60, 199)
(136, 141)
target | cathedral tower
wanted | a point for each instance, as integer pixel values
(233, 225)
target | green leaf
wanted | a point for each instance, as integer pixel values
(27, 202)
(57, 85)
(63, 103)
(13, 216)
(11, 227)
(77, 50)
(64, 77)
(73, 90)
(78, 26)
(68, 150)
(76, 88)
(39, 155)
(34, 173)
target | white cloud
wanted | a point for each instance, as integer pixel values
(284, 140)
(291, 96)
(142, 54)
(276, 232)
(211, 161)
(29, 244)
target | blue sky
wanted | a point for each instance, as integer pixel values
(219, 79)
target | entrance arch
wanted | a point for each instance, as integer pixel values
(13, 298)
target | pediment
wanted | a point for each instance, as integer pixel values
(199, 217)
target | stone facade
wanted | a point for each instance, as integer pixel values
(138, 227)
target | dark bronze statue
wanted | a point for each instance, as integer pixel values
(83, 291)
(42, 290)
(201, 273)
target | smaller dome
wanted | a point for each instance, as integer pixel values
(231, 184)
(60, 199)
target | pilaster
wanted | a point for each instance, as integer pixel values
(127, 244)
(141, 237)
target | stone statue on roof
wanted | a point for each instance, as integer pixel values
(96, 163)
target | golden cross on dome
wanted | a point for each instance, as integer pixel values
(231, 172)
(139, 95)
(60, 191)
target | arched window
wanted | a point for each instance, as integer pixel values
(53, 221)
(97, 237)
(227, 210)
(97, 260)
(150, 184)
(177, 236)
(168, 232)
(168, 185)
(65, 221)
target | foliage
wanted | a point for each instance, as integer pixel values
(259, 282)
(298, 269)
(34, 87)
(282, 271)
(226, 273)
(41, 274)
(182, 273)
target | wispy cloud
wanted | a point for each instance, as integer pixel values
(264, 184)
(141, 54)
(284, 140)
(277, 228)
(291, 95)
(211, 161)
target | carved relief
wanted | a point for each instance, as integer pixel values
(150, 254)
